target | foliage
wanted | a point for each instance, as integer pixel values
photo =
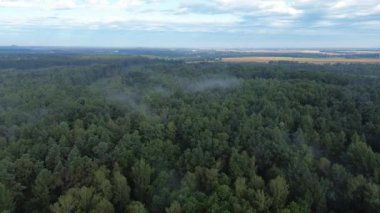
(132, 134)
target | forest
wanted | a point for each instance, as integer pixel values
(113, 133)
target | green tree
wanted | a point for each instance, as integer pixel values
(279, 190)
(24, 171)
(141, 174)
(42, 187)
(83, 199)
(102, 183)
(171, 131)
(240, 187)
(53, 157)
(6, 199)
(120, 189)
(261, 201)
(241, 165)
(136, 207)
(175, 207)
(362, 159)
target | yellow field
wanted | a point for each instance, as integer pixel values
(302, 60)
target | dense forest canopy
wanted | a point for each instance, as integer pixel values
(134, 134)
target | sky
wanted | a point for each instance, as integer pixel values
(191, 23)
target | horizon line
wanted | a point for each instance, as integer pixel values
(186, 48)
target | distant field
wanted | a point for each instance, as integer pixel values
(302, 60)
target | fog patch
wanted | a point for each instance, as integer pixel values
(212, 83)
(115, 92)
(162, 91)
(128, 99)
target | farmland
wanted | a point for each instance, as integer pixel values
(302, 60)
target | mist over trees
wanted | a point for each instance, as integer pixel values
(133, 134)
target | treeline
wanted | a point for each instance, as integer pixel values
(149, 135)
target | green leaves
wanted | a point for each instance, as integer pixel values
(6, 199)
(279, 191)
(136, 207)
(110, 135)
(83, 199)
(363, 160)
(120, 189)
(175, 207)
(141, 176)
(42, 188)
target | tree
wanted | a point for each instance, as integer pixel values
(141, 174)
(240, 187)
(279, 190)
(102, 183)
(53, 157)
(241, 165)
(120, 189)
(6, 199)
(363, 159)
(136, 207)
(43, 185)
(372, 197)
(171, 131)
(24, 171)
(175, 207)
(188, 137)
(83, 199)
(261, 201)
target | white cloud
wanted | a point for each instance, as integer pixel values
(353, 8)
(342, 4)
(213, 15)
(129, 21)
(15, 3)
(73, 4)
(352, 4)
(294, 8)
(38, 4)
(261, 6)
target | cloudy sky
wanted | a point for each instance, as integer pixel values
(191, 23)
